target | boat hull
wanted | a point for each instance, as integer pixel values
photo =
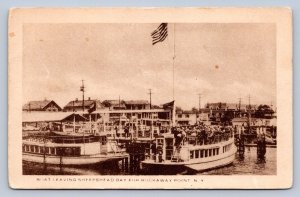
(204, 166)
(189, 167)
(80, 160)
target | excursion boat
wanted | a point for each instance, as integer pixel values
(67, 150)
(189, 156)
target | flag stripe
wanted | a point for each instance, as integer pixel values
(160, 40)
(160, 33)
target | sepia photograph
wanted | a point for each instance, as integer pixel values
(139, 101)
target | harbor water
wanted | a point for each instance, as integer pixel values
(241, 166)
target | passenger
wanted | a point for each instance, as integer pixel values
(211, 136)
(126, 131)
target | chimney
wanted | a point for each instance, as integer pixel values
(76, 99)
(89, 98)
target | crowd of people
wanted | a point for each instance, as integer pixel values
(202, 134)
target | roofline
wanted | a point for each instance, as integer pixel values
(129, 111)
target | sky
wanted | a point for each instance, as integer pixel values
(223, 62)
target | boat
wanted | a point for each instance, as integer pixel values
(70, 150)
(189, 156)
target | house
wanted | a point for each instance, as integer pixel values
(114, 104)
(186, 117)
(89, 104)
(44, 105)
(137, 104)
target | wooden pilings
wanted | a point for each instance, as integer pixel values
(261, 149)
(136, 151)
(240, 144)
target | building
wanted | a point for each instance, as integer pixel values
(191, 117)
(44, 105)
(77, 105)
(114, 104)
(137, 104)
(225, 112)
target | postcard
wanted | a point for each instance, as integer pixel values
(150, 98)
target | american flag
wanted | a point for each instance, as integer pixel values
(160, 33)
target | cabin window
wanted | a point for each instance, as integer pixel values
(201, 153)
(42, 150)
(197, 154)
(214, 152)
(209, 152)
(192, 154)
(187, 115)
(217, 151)
(47, 150)
(206, 153)
(31, 148)
(179, 116)
(23, 147)
(76, 151)
(52, 151)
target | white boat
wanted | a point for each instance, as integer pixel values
(71, 150)
(170, 159)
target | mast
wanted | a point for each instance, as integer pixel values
(199, 108)
(82, 89)
(74, 129)
(249, 113)
(151, 126)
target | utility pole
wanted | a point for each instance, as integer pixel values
(150, 93)
(240, 102)
(82, 89)
(199, 97)
(249, 98)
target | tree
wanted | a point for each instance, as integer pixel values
(264, 111)
(194, 109)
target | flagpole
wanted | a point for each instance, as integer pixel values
(174, 107)
(173, 61)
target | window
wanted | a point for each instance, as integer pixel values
(209, 152)
(47, 150)
(42, 150)
(187, 115)
(206, 153)
(180, 116)
(201, 153)
(31, 148)
(192, 154)
(214, 152)
(197, 154)
(52, 151)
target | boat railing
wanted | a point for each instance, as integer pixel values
(210, 139)
(61, 139)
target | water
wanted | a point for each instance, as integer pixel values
(246, 166)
